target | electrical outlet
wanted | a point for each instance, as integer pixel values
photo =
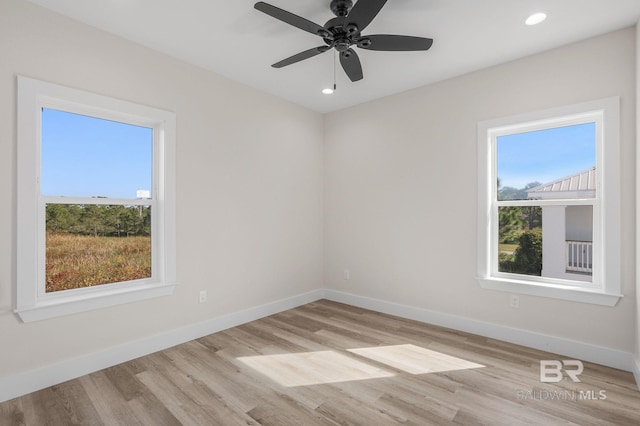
(203, 296)
(514, 301)
(346, 275)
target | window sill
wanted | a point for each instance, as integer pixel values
(92, 300)
(553, 291)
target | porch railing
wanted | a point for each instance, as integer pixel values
(579, 256)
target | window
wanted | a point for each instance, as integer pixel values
(549, 203)
(96, 201)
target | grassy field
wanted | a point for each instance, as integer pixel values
(508, 248)
(75, 261)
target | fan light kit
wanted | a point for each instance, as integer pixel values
(344, 32)
(536, 18)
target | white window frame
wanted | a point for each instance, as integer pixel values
(32, 301)
(605, 288)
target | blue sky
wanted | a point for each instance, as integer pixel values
(90, 157)
(545, 155)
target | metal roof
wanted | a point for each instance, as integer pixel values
(578, 185)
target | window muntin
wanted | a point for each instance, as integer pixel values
(602, 203)
(154, 193)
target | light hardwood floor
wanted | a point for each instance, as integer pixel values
(331, 364)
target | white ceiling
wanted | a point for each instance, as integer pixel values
(231, 38)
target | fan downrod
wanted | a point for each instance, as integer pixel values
(341, 7)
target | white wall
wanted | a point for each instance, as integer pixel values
(400, 190)
(637, 336)
(249, 186)
(579, 223)
(554, 241)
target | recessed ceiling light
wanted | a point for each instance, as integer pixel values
(536, 18)
(327, 91)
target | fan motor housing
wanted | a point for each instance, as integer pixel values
(343, 44)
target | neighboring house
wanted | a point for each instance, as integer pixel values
(567, 231)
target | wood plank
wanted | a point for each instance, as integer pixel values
(11, 413)
(110, 404)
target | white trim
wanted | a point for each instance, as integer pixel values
(636, 371)
(583, 351)
(550, 202)
(98, 201)
(93, 300)
(32, 301)
(606, 214)
(34, 380)
(562, 292)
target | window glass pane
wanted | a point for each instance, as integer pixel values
(579, 241)
(88, 245)
(91, 157)
(549, 241)
(520, 240)
(557, 163)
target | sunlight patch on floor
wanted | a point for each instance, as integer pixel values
(313, 368)
(414, 359)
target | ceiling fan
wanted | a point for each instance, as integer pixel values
(344, 32)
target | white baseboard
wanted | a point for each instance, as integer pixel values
(34, 380)
(583, 351)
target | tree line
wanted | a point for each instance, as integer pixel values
(515, 220)
(99, 220)
(521, 225)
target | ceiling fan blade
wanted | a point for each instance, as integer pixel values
(289, 18)
(301, 56)
(389, 42)
(351, 64)
(363, 13)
